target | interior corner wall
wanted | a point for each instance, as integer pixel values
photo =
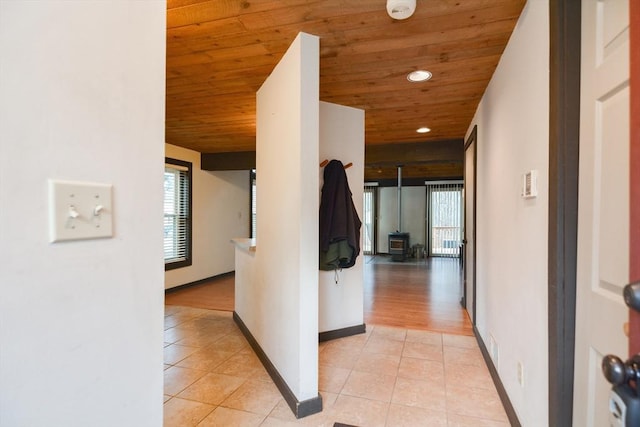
(341, 304)
(221, 203)
(511, 232)
(82, 93)
(283, 314)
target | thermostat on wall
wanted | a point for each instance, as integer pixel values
(530, 184)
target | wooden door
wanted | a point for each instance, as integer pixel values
(469, 291)
(634, 264)
(603, 207)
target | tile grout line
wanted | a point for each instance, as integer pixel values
(446, 391)
(395, 383)
(360, 352)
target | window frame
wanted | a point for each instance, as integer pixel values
(187, 261)
(253, 221)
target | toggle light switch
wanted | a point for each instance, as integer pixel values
(73, 213)
(79, 210)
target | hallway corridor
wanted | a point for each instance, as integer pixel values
(423, 294)
(399, 373)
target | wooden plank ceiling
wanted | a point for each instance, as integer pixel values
(219, 52)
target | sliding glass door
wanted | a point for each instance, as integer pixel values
(369, 221)
(445, 219)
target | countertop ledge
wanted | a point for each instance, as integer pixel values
(245, 243)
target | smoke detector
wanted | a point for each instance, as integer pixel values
(401, 9)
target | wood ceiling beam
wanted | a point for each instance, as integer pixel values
(239, 160)
(448, 151)
(426, 160)
(412, 175)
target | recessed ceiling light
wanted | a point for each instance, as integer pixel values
(419, 76)
(423, 130)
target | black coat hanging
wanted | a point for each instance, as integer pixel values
(339, 221)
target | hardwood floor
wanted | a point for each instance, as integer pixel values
(423, 295)
(216, 294)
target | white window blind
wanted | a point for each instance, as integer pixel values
(254, 211)
(445, 222)
(368, 213)
(177, 213)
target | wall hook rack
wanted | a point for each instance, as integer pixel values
(325, 162)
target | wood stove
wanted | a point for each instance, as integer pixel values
(398, 246)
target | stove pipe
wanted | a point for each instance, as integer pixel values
(399, 198)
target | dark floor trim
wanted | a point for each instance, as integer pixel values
(299, 409)
(342, 333)
(198, 282)
(508, 407)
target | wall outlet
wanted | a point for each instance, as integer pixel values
(520, 374)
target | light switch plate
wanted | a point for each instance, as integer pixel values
(530, 184)
(79, 210)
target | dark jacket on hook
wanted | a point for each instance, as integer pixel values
(339, 222)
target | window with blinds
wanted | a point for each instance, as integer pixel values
(253, 204)
(368, 220)
(177, 214)
(445, 218)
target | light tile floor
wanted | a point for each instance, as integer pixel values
(386, 377)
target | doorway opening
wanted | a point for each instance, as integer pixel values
(445, 219)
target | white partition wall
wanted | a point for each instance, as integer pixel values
(82, 92)
(280, 306)
(342, 138)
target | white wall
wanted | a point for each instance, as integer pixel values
(414, 205)
(282, 309)
(220, 213)
(81, 98)
(513, 138)
(413, 214)
(342, 137)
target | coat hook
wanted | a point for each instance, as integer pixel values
(325, 162)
